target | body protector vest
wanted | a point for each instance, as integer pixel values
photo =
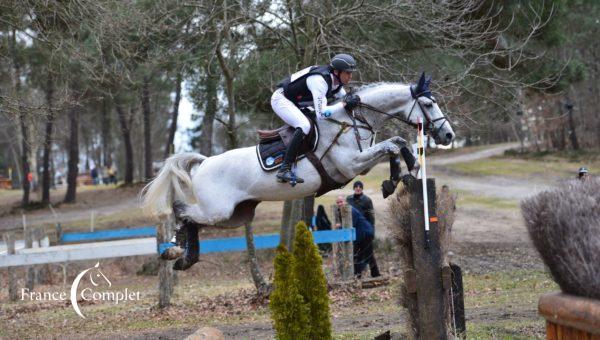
(296, 90)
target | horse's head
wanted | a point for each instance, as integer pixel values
(425, 107)
(408, 104)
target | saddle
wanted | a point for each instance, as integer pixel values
(273, 143)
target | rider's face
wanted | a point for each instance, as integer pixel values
(345, 77)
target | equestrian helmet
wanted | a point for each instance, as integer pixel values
(343, 62)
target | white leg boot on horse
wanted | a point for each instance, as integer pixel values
(224, 190)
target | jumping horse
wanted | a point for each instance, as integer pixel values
(224, 190)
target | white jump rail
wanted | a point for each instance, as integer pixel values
(78, 252)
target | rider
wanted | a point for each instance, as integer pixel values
(313, 85)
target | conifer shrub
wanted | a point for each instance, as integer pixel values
(312, 284)
(289, 312)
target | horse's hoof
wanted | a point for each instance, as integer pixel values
(184, 263)
(172, 253)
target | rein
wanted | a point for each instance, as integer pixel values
(354, 116)
(430, 126)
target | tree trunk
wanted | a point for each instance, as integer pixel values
(206, 136)
(48, 140)
(148, 173)
(73, 168)
(106, 138)
(126, 133)
(308, 209)
(572, 133)
(259, 282)
(295, 215)
(169, 149)
(24, 157)
(25, 147)
(229, 90)
(285, 222)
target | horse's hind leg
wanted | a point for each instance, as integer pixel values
(192, 247)
(186, 249)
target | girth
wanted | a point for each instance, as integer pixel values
(327, 182)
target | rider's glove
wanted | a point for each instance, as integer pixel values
(352, 101)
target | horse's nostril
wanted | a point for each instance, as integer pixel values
(449, 136)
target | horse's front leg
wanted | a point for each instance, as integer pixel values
(369, 157)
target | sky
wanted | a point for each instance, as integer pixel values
(184, 121)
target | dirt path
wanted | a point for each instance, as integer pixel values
(473, 222)
(495, 150)
(104, 201)
(264, 330)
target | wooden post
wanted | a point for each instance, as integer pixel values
(458, 302)
(59, 233)
(166, 276)
(30, 276)
(343, 251)
(432, 301)
(9, 239)
(43, 271)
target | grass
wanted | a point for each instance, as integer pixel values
(510, 289)
(528, 165)
(509, 329)
(466, 198)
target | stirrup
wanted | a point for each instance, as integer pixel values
(289, 176)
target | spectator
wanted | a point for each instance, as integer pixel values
(364, 237)
(583, 174)
(104, 173)
(321, 222)
(363, 203)
(94, 175)
(112, 175)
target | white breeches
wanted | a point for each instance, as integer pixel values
(287, 111)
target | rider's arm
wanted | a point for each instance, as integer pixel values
(318, 87)
(341, 93)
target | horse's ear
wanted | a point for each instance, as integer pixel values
(421, 83)
(427, 82)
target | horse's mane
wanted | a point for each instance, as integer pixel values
(370, 86)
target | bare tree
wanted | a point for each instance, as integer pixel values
(73, 145)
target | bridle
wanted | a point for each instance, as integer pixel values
(429, 122)
(429, 125)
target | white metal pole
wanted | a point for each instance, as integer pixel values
(421, 142)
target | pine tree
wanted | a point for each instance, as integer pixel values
(312, 284)
(288, 309)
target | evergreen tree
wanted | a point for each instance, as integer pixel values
(288, 309)
(312, 284)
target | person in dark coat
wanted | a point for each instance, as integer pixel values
(321, 222)
(363, 203)
(364, 237)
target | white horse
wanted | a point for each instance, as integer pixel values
(223, 190)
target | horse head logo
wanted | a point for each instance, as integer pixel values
(96, 277)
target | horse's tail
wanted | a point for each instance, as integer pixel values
(168, 186)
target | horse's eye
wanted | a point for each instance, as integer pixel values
(430, 104)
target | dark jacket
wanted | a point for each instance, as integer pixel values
(364, 204)
(364, 229)
(296, 90)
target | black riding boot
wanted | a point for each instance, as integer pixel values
(285, 173)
